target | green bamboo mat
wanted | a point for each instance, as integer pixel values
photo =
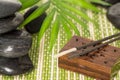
(46, 67)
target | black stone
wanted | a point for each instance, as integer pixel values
(15, 66)
(113, 15)
(9, 7)
(30, 11)
(10, 23)
(112, 1)
(15, 44)
(35, 25)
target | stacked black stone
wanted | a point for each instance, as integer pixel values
(14, 44)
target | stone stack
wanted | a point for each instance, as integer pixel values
(14, 44)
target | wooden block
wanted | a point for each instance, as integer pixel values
(96, 64)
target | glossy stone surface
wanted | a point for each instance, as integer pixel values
(113, 15)
(10, 23)
(9, 7)
(35, 25)
(15, 66)
(15, 44)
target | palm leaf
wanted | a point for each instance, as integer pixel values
(100, 2)
(46, 24)
(83, 4)
(36, 13)
(72, 26)
(66, 28)
(68, 13)
(76, 11)
(54, 34)
(115, 69)
(28, 3)
(84, 16)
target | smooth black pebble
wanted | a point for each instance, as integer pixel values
(112, 1)
(15, 44)
(15, 66)
(9, 7)
(35, 25)
(113, 15)
(10, 23)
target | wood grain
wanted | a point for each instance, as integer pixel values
(96, 64)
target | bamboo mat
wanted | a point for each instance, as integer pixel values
(46, 67)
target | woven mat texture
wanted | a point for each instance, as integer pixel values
(46, 67)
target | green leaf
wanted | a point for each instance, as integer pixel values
(54, 34)
(84, 16)
(36, 13)
(68, 13)
(66, 28)
(115, 69)
(71, 24)
(28, 3)
(76, 19)
(100, 2)
(76, 11)
(87, 5)
(46, 24)
(84, 4)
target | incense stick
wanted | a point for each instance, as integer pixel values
(84, 46)
(94, 48)
(98, 42)
(65, 52)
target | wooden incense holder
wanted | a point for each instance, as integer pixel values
(97, 64)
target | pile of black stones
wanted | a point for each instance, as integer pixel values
(113, 12)
(14, 43)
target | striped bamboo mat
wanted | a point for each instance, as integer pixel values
(46, 67)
